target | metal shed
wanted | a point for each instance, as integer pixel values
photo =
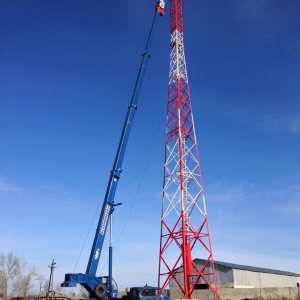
(241, 276)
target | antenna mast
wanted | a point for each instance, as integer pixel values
(184, 221)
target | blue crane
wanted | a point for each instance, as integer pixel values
(104, 287)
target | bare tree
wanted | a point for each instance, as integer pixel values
(9, 269)
(24, 282)
(45, 286)
(40, 279)
(59, 289)
(17, 278)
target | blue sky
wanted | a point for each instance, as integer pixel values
(67, 73)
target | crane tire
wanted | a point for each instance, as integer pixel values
(100, 290)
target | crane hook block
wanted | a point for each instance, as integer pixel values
(160, 5)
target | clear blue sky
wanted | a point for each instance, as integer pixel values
(67, 71)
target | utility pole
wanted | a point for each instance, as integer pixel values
(52, 267)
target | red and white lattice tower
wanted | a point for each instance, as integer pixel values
(184, 222)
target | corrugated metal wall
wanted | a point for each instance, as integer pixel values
(228, 277)
(244, 278)
(224, 276)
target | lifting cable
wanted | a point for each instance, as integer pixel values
(132, 204)
(142, 177)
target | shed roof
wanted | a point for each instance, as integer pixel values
(250, 268)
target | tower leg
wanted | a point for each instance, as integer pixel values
(184, 224)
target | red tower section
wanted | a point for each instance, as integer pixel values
(184, 222)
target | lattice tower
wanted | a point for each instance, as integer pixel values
(184, 221)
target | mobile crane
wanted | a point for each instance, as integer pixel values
(104, 287)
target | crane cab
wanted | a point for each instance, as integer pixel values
(147, 293)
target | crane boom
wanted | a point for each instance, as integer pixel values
(103, 287)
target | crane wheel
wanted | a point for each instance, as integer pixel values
(100, 290)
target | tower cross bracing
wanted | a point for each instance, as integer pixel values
(184, 222)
